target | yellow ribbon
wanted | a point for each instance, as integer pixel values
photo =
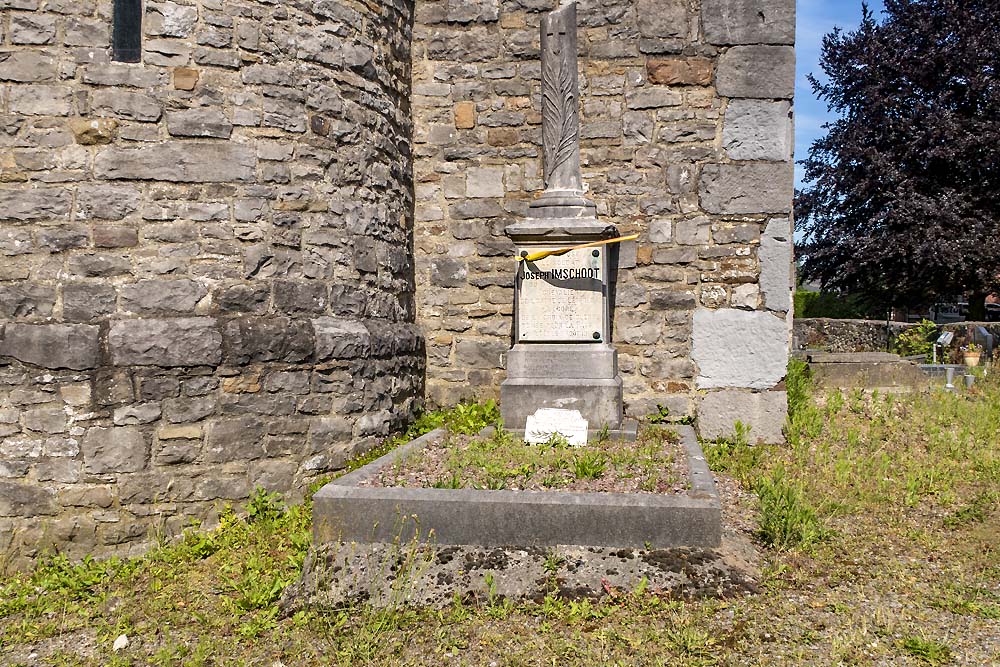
(542, 254)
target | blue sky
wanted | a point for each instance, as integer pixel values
(815, 19)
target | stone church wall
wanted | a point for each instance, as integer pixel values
(686, 139)
(206, 280)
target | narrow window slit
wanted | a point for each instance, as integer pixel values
(127, 35)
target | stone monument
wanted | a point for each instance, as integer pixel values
(562, 355)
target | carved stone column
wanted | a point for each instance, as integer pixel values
(562, 355)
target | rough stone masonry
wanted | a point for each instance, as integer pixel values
(214, 259)
(686, 139)
(207, 276)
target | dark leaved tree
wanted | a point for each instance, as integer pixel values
(902, 203)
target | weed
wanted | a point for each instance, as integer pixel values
(786, 520)
(553, 561)
(471, 418)
(929, 651)
(916, 340)
(453, 482)
(976, 511)
(604, 434)
(734, 455)
(589, 466)
(798, 384)
(264, 506)
(661, 416)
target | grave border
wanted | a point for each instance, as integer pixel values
(343, 511)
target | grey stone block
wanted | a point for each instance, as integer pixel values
(40, 99)
(766, 72)
(182, 341)
(739, 349)
(748, 21)
(662, 18)
(338, 338)
(168, 296)
(234, 439)
(107, 202)
(32, 28)
(178, 163)
(86, 301)
(484, 182)
(27, 66)
(116, 449)
(347, 512)
(72, 346)
(747, 188)
(598, 400)
(25, 500)
(652, 98)
(546, 360)
(121, 104)
(693, 231)
(758, 130)
(775, 256)
(202, 122)
(25, 300)
(27, 204)
(764, 412)
(263, 339)
(480, 353)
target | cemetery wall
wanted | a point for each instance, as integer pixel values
(686, 139)
(207, 279)
(832, 335)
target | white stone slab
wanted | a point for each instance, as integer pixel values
(570, 424)
(739, 349)
(561, 297)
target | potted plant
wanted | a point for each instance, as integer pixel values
(971, 353)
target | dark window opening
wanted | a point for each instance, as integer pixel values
(127, 41)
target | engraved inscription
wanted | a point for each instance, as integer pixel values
(561, 298)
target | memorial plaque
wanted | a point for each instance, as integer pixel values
(561, 297)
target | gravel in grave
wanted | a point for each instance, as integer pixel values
(655, 463)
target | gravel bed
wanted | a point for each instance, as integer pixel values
(655, 463)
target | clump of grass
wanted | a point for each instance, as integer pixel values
(798, 384)
(590, 465)
(928, 651)
(786, 520)
(735, 455)
(977, 511)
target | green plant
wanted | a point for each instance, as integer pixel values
(929, 651)
(471, 418)
(661, 416)
(915, 340)
(735, 454)
(553, 561)
(786, 520)
(798, 384)
(453, 482)
(590, 465)
(264, 506)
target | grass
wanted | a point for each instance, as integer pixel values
(877, 521)
(501, 461)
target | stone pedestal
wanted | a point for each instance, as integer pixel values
(562, 355)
